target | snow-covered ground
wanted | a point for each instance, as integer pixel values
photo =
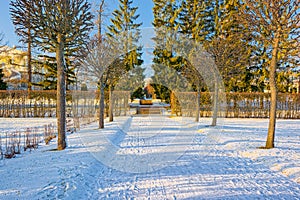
(158, 157)
(12, 124)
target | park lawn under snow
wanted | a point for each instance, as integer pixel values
(157, 157)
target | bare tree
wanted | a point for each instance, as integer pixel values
(57, 26)
(2, 49)
(100, 55)
(100, 19)
(274, 24)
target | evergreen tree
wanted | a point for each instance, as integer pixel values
(124, 34)
(48, 70)
(165, 24)
(194, 19)
(230, 46)
(214, 23)
(177, 25)
(132, 81)
(197, 23)
(162, 92)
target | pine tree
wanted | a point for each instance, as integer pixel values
(124, 33)
(196, 23)
(228, 44)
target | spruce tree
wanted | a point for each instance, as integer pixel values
(196, 19)
(176, 23)
(165, 24)
(132, 80)
(48, 70)
(124, 34)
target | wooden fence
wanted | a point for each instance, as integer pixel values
(257, 105)
(84, 104)
(33, 104)
(239, 105)
(121, 103)
(81, 106)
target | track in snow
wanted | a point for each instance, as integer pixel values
(144, 158)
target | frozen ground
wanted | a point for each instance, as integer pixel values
(160, 158)
(11, 124)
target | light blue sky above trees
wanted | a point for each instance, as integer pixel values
(6, 26)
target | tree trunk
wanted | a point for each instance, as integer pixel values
(198, 105)
(111, 114)
(215, 104)
(273, 89)
(29, 61)
(101, 106)
(61, 94)
(100, 13)
(101, 94)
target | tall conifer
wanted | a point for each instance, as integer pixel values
(124, 34)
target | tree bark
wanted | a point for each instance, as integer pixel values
(273, 89)
(111, 115)
(198, 105)
(215, 104)
(61, 94)
(100, 20)
(101, 95)
(29, 60)
(101, 106)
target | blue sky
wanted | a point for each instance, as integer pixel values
(6, 26)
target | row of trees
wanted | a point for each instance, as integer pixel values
(115, 56)
(248, 41)
(62, 29)
(223, 28)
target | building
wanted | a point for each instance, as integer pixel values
(13, 63)
(296, 80)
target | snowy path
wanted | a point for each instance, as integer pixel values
(145, 158)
